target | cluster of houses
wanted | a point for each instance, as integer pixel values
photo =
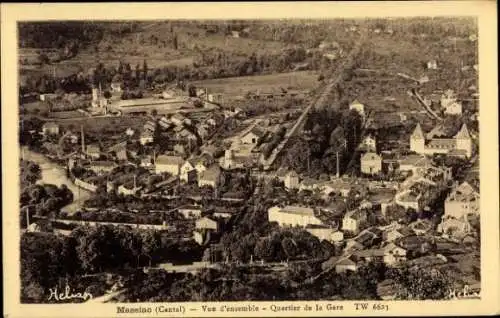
(180, 128)
(394, 243)
(203, 171)
(460, 206)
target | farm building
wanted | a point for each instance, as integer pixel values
(147, 105)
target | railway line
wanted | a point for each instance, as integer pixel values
(318, 103)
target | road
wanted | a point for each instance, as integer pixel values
(55, 174)
(105, 298)
(421, 101)
(317, 103)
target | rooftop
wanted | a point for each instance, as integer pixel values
(169, 160)
(355, 214)
(50, 124)
(103, 163)
(369, 156)
(293, 209)
(441, 143)
(212, 173)
(149, 102)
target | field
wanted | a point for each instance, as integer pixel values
(133, 48)
(66, 114)
(239, 86)
(104, 124)
(34, 106)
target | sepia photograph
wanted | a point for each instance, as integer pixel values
(226, 160)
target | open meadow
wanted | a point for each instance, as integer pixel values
(239, 86)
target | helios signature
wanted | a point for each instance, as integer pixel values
(68, 294)
(466, 292)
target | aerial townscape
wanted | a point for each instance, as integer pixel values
(233, 160)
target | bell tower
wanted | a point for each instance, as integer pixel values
(464, 141)
(417, 140)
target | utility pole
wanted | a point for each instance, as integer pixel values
(308, 164)
(83, 139)
(338, 165)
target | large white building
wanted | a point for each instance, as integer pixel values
(293, 216)
(170, 164)
(371, 163)
(460, 144)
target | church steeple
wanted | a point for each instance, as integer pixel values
(417, 133)
(464, 141)
(417, 140)
(463, 133)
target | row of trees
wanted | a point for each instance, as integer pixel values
(44, 200)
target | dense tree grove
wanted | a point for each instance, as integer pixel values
(328, 132)
(47, 260)
(233, 283)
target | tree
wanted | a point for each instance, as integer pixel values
(145, 69)
(120, 67)
(43, 58)
(175, 43)
(289, 247)
(150, 244)
(107, 94)
(192, 90)
(298, 156)
(421, 283)
(137, 71)
(264, 249)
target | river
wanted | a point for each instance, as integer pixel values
(52, 173)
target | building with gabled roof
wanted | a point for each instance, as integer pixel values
(188, 172)
(413, 161)
(354, 220)
(371, 163)
(456, 228)
(462, 141)
(102, 166)
(346, 264)
(253, 136)
(169, 164)
(463, 200)
(394, 254)
(147, 136)
(50, 128)
(324, 233)
(206, 223)
(397, 233)
(293, 216)
(93, 151)
(212, 177)
(150, 125)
